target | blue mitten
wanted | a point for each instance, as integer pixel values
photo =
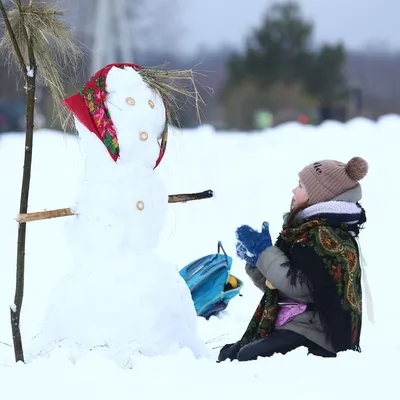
(252, 243)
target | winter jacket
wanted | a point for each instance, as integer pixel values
(316, 262)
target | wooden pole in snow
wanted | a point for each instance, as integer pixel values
(28, 70)
(29, 27)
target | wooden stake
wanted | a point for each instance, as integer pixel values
(30, 81)
(66, 212)
(29, 27)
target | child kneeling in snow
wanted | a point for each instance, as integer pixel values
(311, 278)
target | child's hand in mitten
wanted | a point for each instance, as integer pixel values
(252, 243)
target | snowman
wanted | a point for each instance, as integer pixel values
(119, 295)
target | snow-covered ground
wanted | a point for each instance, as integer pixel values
(252, 176)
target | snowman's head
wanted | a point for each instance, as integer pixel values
(129, 117)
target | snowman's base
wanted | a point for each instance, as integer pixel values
(141, 307)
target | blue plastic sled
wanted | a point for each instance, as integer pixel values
(211, 285)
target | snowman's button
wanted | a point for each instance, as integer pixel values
(130, 101)
(144, 136)
(151, 104)
(140, 205)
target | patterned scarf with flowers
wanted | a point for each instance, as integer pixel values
(324, 255)
(90, 107)
(263, 319)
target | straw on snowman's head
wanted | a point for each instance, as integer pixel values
(90, 107)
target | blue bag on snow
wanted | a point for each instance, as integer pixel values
(211, 285)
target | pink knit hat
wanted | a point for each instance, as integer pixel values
(324, 180)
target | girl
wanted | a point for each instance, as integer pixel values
(311, 278)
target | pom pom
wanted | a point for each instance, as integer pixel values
(357, 168)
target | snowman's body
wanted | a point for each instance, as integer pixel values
(119, 293)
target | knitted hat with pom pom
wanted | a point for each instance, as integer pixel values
(326, 179)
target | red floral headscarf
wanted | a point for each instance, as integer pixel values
(90, 107)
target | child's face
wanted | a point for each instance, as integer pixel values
(300, 195)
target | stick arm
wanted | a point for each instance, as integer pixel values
(66, 212)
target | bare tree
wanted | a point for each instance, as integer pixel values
(29, 30)
(121, 30)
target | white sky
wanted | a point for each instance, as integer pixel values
(212, 23)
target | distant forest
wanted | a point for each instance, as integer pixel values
(375, 74)
(274, 72)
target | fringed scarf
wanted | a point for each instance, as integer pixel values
(324, 255)
(264, 318)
